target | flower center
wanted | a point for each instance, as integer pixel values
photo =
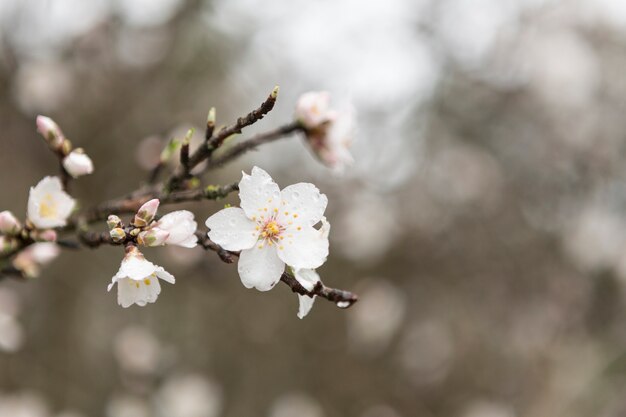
(48, 207)
(271, 229)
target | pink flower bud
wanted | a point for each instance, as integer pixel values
(153, 237)
(146, 213)
(77, 163)
(48, 236)
(9, 225)
(50, 131)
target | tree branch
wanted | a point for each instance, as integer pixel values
(242, 147)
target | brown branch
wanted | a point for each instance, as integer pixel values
(132, 203)
(341, 298)
(254, 142)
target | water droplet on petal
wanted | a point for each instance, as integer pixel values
(343, 304)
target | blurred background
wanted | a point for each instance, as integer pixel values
(483, 224)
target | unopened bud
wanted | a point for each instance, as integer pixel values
(50, 131)
(113, 221)
(153, 237)
(7, 244)
(274, 93)
(47, 235)
(77, 163)
(117, 234)
(66, 147)
(146, 213)
(9, 225)
(210, 120)
(135, 232)
(170, 149)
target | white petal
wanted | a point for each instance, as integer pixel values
(232, 230)
(260, 267)
(259, 194)
(136, 267)
(164, 275)
(307, 278)
(304, 204)
(127, 292)
(306, 303)
(305, 248)
(152, 290)
(181, 226)
(190, 242)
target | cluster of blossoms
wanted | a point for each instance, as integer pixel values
(273, 232)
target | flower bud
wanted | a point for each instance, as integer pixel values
(117, 234)
(146, 213)
(9, 225)
(77, 163)
(210, 120)
(66, 147)
(113, 221)
(153, 237)
(47, 236)
(7, 244)
(50, 131)
(170, 149)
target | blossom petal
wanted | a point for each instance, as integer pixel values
(307, 278)
(303, 204)
(305, 248)
(260, 267)
(51, 191)
(136, 267)
(305, 305)
(259, 194)
(127, 292)
(232, 230)
(164, 275)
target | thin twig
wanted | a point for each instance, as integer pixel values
(341, 298)
(252, 143)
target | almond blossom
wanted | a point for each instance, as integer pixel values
(272, 228)
(48, 205)
(138, 279)
(50, 131)
(181, 227)
(329, 132)
(9, 224)
(77, 163)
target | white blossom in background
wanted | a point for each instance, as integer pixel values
(48, 205)
(329, 133)
(181, 228)
(138, 280)
(77, 163)
(190, 395)
(313, 109)
(374, 321)
(272, 228)
(23, 404)
(9, 224)
(31, 259)
(137, 339)
(11, 334)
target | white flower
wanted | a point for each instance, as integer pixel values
(181, 227)
(31, 259)
(137, 279)
(77, 163)
(48, 205)
(329, 133)
(272, 228)
(307, 278)
(312, 109)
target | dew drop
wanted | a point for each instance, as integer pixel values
(343, 304)
(295, 195)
